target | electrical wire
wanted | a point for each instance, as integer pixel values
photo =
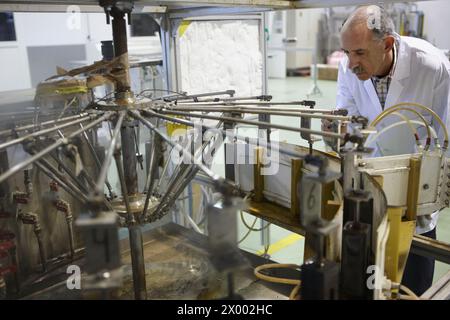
(251, 227)
(393, 109)
(410, 294)
(385, 129)
(295, 282)
(418, 105)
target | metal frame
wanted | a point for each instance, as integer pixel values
(201, 5)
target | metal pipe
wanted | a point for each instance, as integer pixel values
(123, 185)
(31, 126)
(37, 232)
(57, 174)
(257, 123)
(166, 165)
(177, 147)
(231, 99)
(194, 96)
(69, 172)
(150, 179)
(73, 193)
(111, 149)
(137, 262)
(42, 132)
(258, 103)
(129, 157)
(178, 181)
(64, 207)
(119, 29)
(230, 135)
(97, 161)
(50, 148)
(264, 111)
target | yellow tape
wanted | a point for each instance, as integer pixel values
(62, 91)
(175, 127)
(281, 244)
(183, 27)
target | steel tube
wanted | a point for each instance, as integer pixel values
(265, 111)
(50, 148)
(31, 126)
(257, 123)
(96, 160)
(137, 262)
(177, 147)
(111, 149)
(42, 132)
(130, 159)
(252, 141)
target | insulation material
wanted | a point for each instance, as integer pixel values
(221, 55)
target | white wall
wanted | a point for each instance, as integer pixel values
(302, 24)
(437, 22)
(48, 29)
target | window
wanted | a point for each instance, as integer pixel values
(143, 25)
(7, 31)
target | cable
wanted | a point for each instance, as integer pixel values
(411, 295)
(251, 227)
(441, 123)
(377, 134)
(393, 109)
(248, 232)
(296, 283)
(163, 90)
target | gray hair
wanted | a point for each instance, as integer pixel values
(375, 18)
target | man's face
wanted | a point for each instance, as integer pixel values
(366, 55)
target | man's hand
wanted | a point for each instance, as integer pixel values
(330, 126)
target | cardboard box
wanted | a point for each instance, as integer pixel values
(327, 72)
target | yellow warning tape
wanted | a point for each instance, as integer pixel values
(281, 244)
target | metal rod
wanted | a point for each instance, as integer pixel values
(50, 148)
(123, 185)
(137, 262)
(177, 147)
(69, 172)
(257, 103)
(182, 180)
(231, 99)
(166, 165)
(111, 149)
(257, 123)
(73, 193)
(58, 175)
(37, 232)
(194, 96)
(265, 111)
(31, 126)
(129, 157)
(97, 161)
(42, 132)
(252, 141)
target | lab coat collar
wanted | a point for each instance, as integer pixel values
(368, 85)
(402, 71)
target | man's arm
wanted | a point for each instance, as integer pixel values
(344, 100)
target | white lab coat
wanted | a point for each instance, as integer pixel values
(422, 75)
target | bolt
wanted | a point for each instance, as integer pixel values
(426, 186)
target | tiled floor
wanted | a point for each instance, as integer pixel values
(285, 246)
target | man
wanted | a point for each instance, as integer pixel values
(380, 70)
